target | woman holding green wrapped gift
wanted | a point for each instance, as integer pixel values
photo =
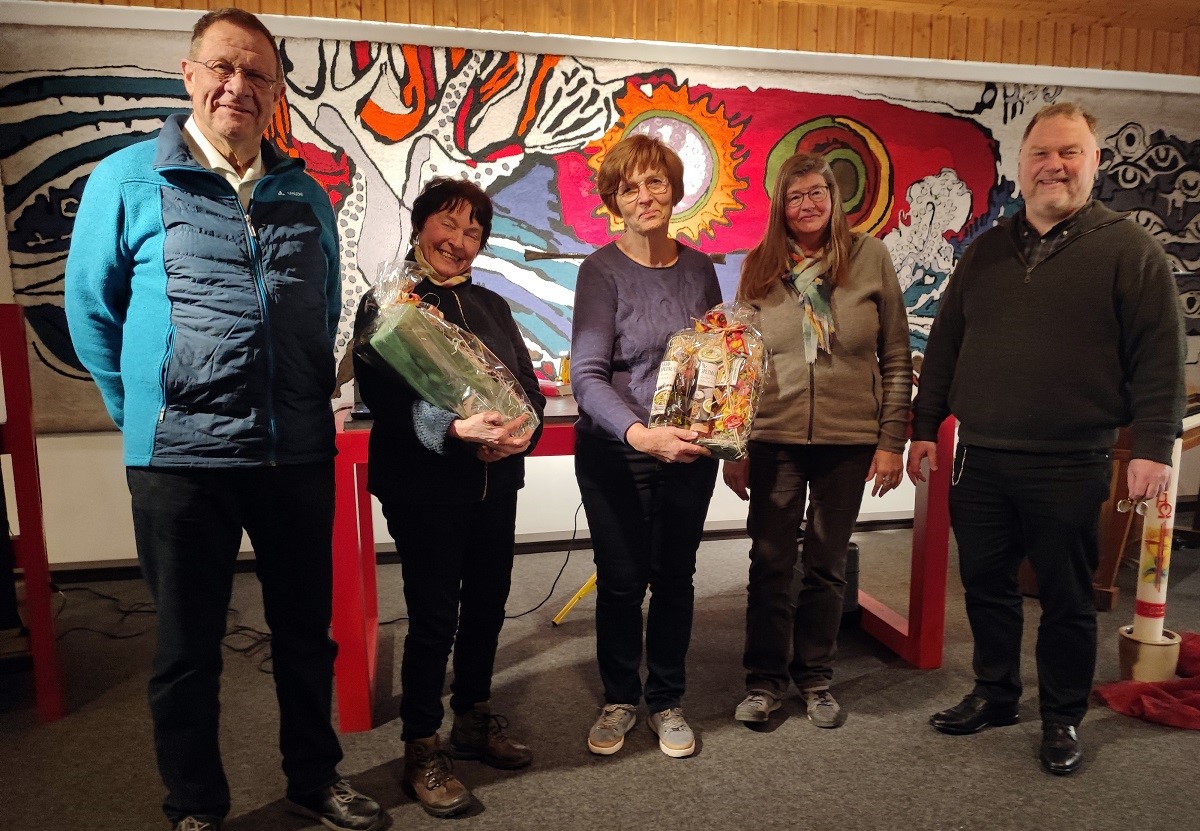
(448, 487)
(833, 414)
(645, 491)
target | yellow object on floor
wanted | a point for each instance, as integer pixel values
(587, 587)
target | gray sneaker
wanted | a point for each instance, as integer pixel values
(756, 707)
(607, 735)
(675, 738)
(823, 709)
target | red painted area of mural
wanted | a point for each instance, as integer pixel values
(903, 147)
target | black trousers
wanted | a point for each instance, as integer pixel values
(457, 564)
(9, 617)
(646, 519)
(188, 526)
(781, 476)
(1005, 506)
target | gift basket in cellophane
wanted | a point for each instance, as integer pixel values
(711, 378)
(443, 364)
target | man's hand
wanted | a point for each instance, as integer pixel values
(667, 444)
(917, 451)
(737, 478)
(1146, 479)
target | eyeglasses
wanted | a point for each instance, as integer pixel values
(1124, 506)
(818, 195)
(224, 72)
(656, 185)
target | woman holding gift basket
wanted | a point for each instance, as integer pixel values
(833, 414)
(645, 491)
(448, 487)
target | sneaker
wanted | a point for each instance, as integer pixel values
(340, 807)
(823, 709)
(675, 738)
(756, 707)
(194, 824)
(607, 735)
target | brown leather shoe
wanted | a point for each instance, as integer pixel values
(479, 734)
(429, 778)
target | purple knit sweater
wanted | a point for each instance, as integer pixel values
(624, 314)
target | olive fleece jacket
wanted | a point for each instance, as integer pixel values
(860, 392)
(1055, 357)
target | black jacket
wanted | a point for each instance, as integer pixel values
(401, 466)
(1055, 357)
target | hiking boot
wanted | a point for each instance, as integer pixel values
(756, 707)
(823, 709)
(429, 778)
(607, 735)
(479, 734)
(675, 738)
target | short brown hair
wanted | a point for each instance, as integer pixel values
(633, 153)
(1064, 109)
(240, 18)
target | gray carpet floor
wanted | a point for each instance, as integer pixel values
(885, 769)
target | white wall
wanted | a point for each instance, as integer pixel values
(86, 503)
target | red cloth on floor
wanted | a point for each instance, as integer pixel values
(1173, 703)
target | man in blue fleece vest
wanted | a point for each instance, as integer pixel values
(1057, 328)
(203, 295)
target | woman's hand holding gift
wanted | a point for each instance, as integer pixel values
(666, 443)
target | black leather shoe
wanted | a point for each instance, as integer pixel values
(973, 714)
(341, 808)
(1061, 752)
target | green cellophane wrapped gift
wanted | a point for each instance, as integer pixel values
(443, 364)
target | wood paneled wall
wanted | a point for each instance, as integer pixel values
(1045, 32)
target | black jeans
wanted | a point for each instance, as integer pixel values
(188, 526)
(457, 564)
(1005, 506)
(780, 475)
(646, 519)
(9, 617)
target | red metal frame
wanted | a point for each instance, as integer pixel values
(29, 545)
(917, 638)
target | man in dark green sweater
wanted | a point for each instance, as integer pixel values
(1057, 328)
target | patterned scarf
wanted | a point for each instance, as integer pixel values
(432, 276)
(806, 280)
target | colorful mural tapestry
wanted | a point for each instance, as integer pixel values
(926, 165)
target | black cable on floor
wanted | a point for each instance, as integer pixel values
(567, 559)
(257, 640)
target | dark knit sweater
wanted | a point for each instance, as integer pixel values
(411, 456)
(1056, 357)
(624, 315)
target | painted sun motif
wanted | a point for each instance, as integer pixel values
(706, 142)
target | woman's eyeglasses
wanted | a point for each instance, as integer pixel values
(817, 195)
(656, 185)
(224, 72)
